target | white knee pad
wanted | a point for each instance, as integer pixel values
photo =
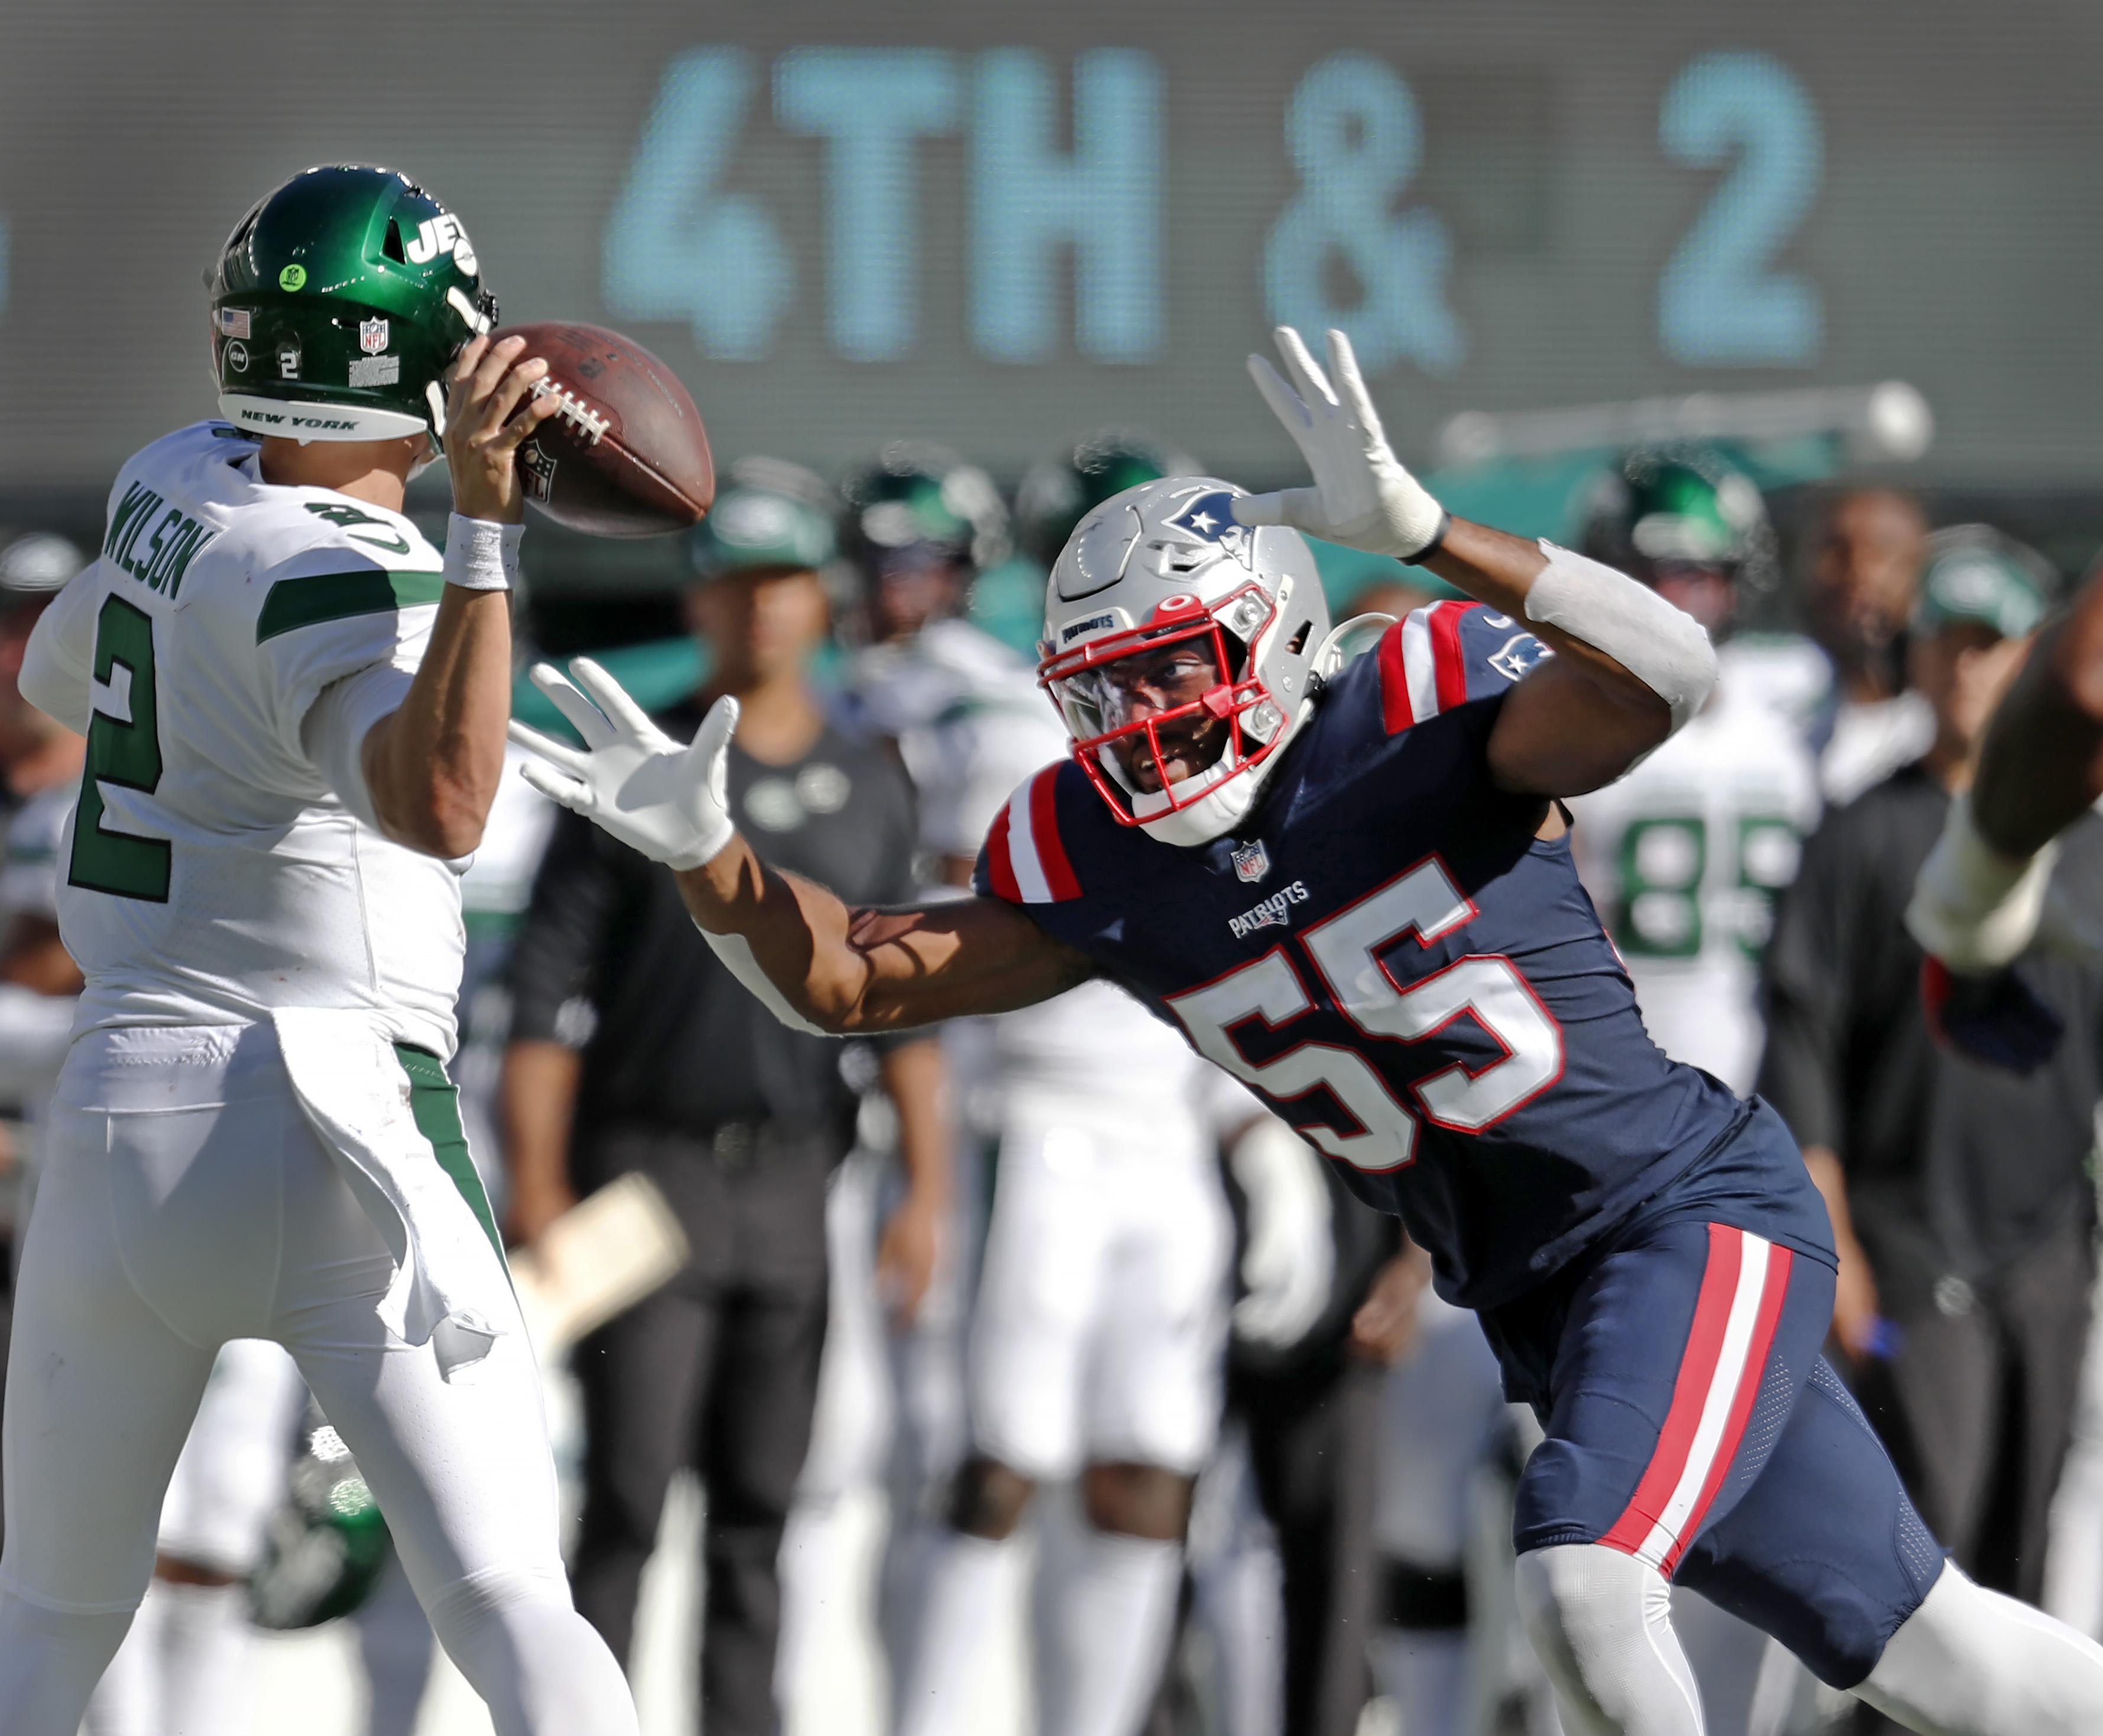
(1602, 1623)
(1969, 1662)
(540, 1667)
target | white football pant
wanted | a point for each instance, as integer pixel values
(184, 1203)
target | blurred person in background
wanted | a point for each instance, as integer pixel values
(1846, 684)
(1958, 1191)
(633, 1049)
(1099, 1315)
(1684, 855)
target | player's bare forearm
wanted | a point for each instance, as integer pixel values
(850, 970)
(914, 1079)
(2042, 764)
(535, 1098)
(432, 767)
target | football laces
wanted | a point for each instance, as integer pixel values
(573, 409)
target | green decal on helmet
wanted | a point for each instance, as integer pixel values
(338, 303)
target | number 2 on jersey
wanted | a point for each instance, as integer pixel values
(1346, 950)
(125, 752)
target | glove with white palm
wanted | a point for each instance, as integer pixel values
(630, 778)
(1362, 496)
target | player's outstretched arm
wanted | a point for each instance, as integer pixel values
(1629, 668)
(819, 964)
(1985, 891)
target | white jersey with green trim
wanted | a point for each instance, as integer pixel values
(211, 875)
(1685, 857)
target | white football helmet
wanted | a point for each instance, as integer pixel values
(1162, 565)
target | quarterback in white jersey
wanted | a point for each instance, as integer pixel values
(295, 713)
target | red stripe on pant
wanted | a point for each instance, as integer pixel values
(1699, 1370)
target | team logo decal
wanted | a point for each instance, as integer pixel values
(1211, 518)
(1252, 862)
(1274, 912)
(441, 234)
(1517, 654)
(372, 336)
(540, 471)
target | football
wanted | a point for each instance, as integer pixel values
(626, 454)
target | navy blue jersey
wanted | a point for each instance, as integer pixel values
(1386, 952)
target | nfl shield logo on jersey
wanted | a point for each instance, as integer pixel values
(1252, 861)
(372, 336)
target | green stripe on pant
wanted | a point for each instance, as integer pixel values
(434, 1102)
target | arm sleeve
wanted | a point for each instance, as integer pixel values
(336, 724)
(328, 613)
(1805, 985)
(1445, 653)
(555, 961)
(58, 664)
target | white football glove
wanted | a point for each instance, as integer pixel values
(1362, 497)
(629, 777)
(1977, 910)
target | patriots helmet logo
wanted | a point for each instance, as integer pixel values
(1210, 517)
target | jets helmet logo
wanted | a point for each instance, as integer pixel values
(439, 235)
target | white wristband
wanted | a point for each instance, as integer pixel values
(481, 555)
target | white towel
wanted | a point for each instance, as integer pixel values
(448, 1278)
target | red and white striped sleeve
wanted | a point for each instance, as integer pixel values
(1025, 860)
(1445, 653)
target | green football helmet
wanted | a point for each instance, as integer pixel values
(1682, 506)
(1060, 491)
(337, 304)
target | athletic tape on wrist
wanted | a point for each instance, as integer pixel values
(481, 555)
(1663, 647)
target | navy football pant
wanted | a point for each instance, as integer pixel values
(1692, 1424)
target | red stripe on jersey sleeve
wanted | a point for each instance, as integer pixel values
(1000, 864)
(1059, 876)
(1448, 665)
(1395, 712)
(1749, 1382)
(1690, 1393)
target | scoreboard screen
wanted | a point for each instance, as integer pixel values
(998, 225)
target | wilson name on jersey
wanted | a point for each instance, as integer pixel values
(1388, 955)
(211, 873)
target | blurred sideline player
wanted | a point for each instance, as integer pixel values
(1844, 684)
(1646, 1250)
(1684, 855)
(1095, 1336)
(294, 716)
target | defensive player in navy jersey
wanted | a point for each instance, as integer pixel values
(1349, 882)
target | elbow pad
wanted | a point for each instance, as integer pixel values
(735, 952)
(1663, 647)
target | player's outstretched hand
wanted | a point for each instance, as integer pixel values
(1362, 497)
(630, 778)
(484, 426)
